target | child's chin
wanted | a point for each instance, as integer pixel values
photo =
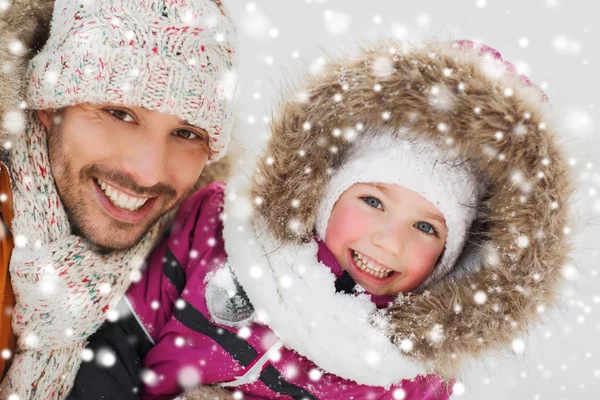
(376, 290)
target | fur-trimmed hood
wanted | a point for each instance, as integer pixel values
(452, 94)
(24, 29)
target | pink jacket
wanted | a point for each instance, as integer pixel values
(192, 348)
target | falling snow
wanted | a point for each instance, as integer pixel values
(268, 40)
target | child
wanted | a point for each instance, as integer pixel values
(351, 264)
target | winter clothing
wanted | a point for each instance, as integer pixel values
(496, 122)
(123, 380)
(174, 58)
(443, 180)
(205, 329)
(63, 288)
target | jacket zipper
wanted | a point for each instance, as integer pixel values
(253, 373)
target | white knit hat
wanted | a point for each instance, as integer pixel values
(441, 178)
(173, 57)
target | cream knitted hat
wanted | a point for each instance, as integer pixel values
(444, 180)
(175, 57)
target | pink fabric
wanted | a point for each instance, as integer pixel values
(482, 50)
(190, 241)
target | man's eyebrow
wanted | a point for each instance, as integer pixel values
(184, 122)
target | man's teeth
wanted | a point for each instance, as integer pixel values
(120, 199)
(368, 265)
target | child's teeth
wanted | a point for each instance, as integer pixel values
(369, 266)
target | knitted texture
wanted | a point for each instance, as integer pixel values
(444, 180)
(63, 288)
(174, 57)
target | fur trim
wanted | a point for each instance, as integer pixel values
(25, 22)
(421, 88)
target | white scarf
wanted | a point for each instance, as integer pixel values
(294, 294)
(63, 289)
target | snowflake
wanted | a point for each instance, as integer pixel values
(423, 19)
(255, 271)
(436, 334)
(106, 358)
(382, 67)
(336, 23)
(6, 354)
(518, 346)
(149, 377)
(406, 345)
(13, 122)
(87, 354)
(399, 31)
(458, 389)
(315, 374)
(286, 281)
(480, 297)
(244, 332)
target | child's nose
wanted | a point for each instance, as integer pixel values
(390, 238)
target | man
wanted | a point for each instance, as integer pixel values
(125, 104)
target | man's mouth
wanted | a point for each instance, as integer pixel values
(123, 206)
(121, 199)
(370, 266)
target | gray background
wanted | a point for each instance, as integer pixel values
(555, 42)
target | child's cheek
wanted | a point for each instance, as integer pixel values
(345, 229)
(422, 260)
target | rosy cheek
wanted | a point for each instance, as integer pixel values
(423, 259)
(346, 225)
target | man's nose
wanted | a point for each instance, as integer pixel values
(145, 161)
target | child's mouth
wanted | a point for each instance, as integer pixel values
(369, 266)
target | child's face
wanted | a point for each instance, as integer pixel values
(387, 237)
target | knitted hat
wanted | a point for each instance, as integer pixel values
(444, 180)
(172, 57)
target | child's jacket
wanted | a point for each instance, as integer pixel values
(204, 336)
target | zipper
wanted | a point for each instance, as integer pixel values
(254, 372)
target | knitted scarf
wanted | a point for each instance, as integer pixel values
(63, 288)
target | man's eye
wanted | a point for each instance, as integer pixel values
(186, 134)
(121, 115)
(372, 201)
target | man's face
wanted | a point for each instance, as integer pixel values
(118, 169)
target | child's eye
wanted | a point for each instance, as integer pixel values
(121, 115)
(426, 227)
(372, 201)
(186, 134)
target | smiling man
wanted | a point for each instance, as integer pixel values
(124, 105)
(119, 169)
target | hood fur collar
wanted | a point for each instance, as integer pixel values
(441, 93)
